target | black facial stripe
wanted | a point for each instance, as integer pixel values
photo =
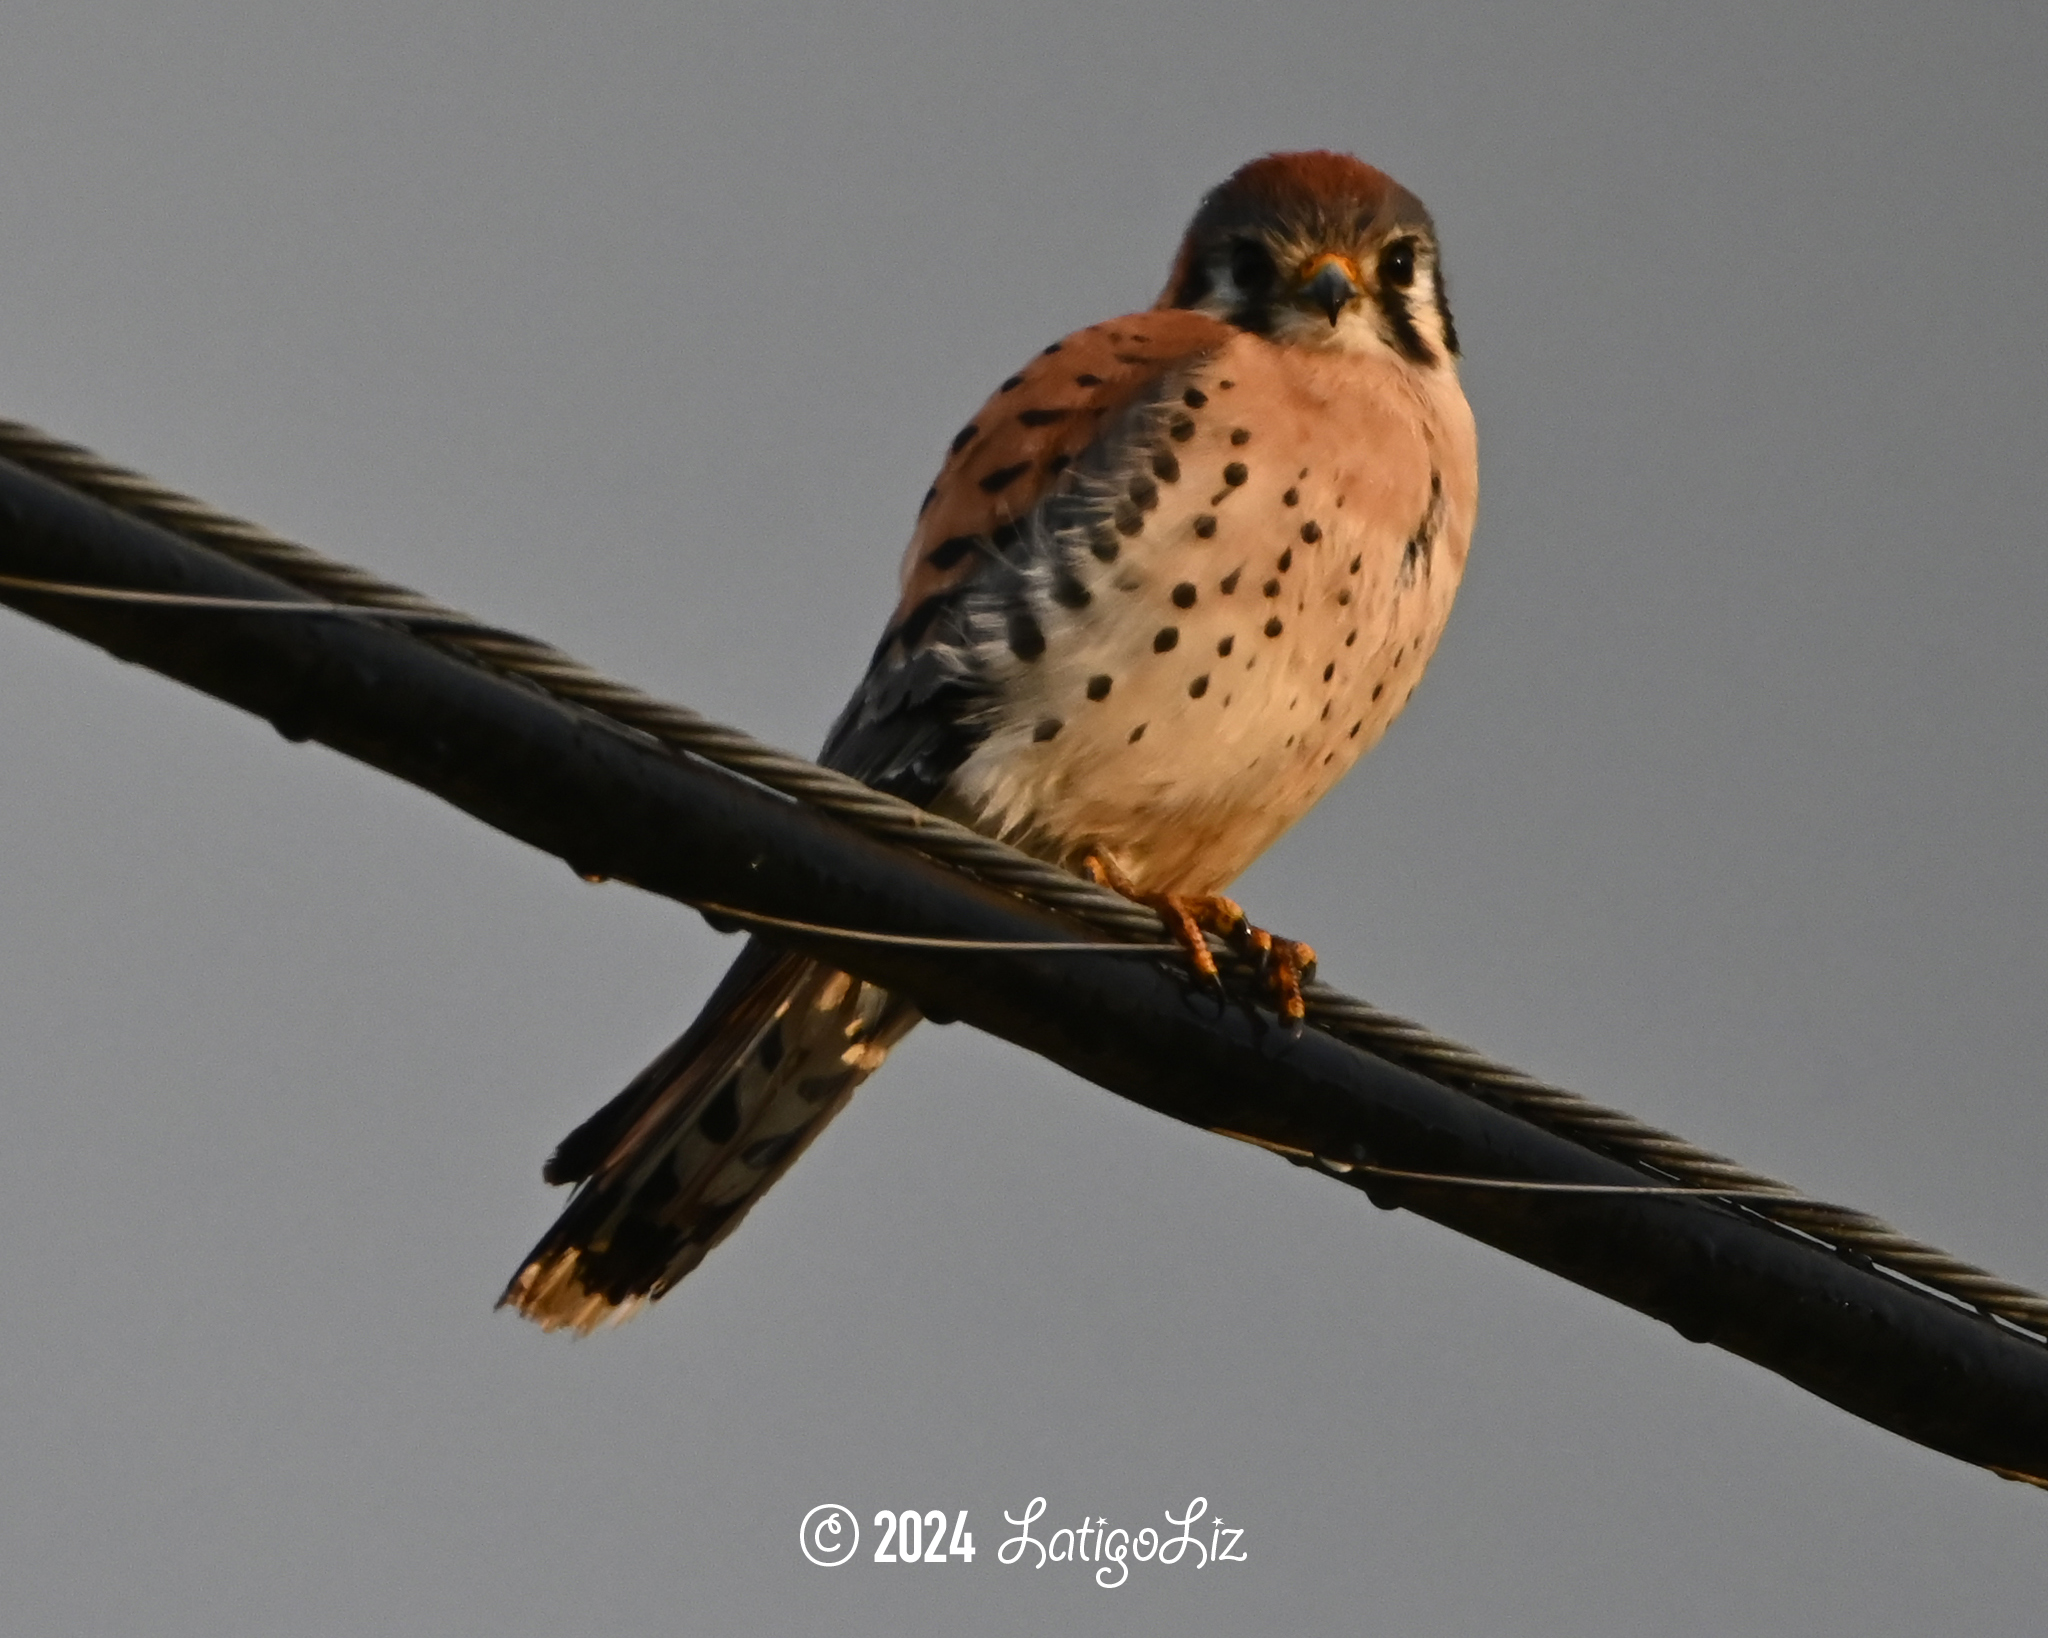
(1408, 339)
(1254, 306)
(1252, 269)
(1443, 313)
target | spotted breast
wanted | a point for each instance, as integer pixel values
(1216, 604)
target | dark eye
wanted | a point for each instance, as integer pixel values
(1397, 264)
(1251, 267)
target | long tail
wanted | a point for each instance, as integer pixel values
(668, 1168)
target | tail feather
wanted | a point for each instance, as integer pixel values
(669, 1167)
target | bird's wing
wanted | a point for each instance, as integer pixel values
(1023, 486)
(668, 1167)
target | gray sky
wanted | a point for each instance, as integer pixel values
(645, 332)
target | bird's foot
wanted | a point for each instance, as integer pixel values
(1284, 964)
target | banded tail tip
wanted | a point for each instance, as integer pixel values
(550, 1291)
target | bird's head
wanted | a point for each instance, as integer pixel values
(1318, 250)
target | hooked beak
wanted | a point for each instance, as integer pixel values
(1332, 284)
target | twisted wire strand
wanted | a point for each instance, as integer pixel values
(1660, 1155)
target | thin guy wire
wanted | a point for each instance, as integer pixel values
(1855, 1234)
(1523, 1185)
(915, 941)
(233, 605)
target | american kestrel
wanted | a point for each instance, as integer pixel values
(1174, 578)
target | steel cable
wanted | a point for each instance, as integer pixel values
(1660, 1155)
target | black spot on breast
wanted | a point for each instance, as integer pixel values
(1103, 543)
(1229, 582)
(963, 437)
(1311, 531)
(1354, 729)
(1350, 638)
(1127, 518)
(721, 1117)
(1235, 474)
(1027, 641)
(1240, 435)
(1287, 560)
(1326, 707)
(1165, 639)
(1356, 561)
(1047, 729)
(1199, 686)
(949, 552)
(1145, 492)
(1225, 386)
(1098, 686)
(1137, 734)
(1378, 689)
(1205, 525)
(770, 1049)
(1041, 417)
(1274, 627)
(1003, 477)
(1181, 428)
(1184, 595)
(1225, 646)
(1069, 593)
(1012, 384)
(1271, 588)
(1329, 671)
(1165, 467)
(1055, 347)
(1343, 596)
(1084, 379)
(1291, 498)
(1194, 398)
